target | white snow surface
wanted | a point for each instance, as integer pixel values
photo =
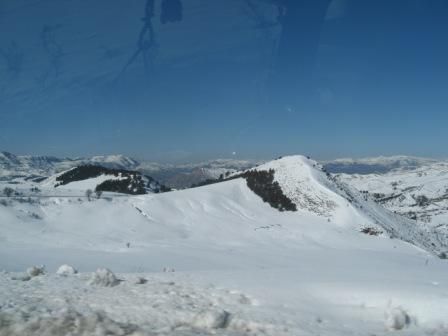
(238, 266)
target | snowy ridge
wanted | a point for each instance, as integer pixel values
(303, 181)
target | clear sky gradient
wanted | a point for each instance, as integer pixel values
(375, 79)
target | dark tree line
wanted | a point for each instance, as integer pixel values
(262, 183)
(90, 171)
(131, 182)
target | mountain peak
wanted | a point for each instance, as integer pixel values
(302, 180)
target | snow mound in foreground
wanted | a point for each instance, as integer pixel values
(31, 272)
(219, 319)
(397, 319)
(67, 323)
(104, 277)
(66, 270)
(35, 271)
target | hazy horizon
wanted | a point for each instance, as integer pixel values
(326, 78)
(191, 159)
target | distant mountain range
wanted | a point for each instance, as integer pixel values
(187, 174)
(175, 176)
(413, 187)
(376, 165)
(14, 166)
(420, 193)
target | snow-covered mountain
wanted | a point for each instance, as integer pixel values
(376, 165)
(14, 167)
(302, 181)
(310, 187)
(100, 179)
(420, 194)
(336, 256)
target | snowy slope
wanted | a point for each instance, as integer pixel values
(309, 272)
(420, 194)
(228, 211)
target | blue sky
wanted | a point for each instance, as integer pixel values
(375, 85)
